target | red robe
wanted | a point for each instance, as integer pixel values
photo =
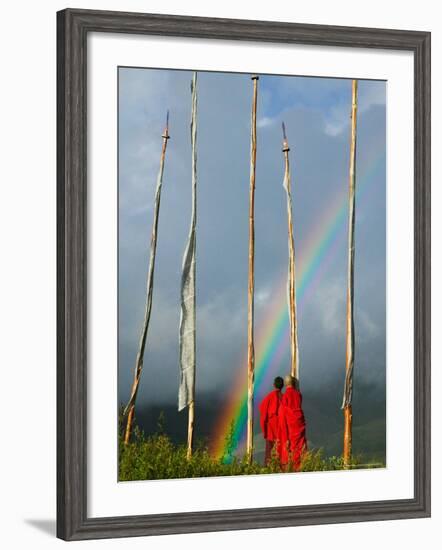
(268, 409)
(291, 428)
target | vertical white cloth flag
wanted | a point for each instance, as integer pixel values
(350, 343)
(291, 281)
(186, 393)
(150, 274)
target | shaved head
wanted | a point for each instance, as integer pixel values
(291, 381)
(278, 383)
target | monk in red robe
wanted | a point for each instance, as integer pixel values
(292, 437)
(268, 409)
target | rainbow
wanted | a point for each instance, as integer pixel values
(272, 336)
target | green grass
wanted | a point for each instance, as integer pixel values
(157, 457)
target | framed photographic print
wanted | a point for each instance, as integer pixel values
(243, 274)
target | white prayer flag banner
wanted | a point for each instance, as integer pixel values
(186, 393)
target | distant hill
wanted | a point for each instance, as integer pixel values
(324, 419)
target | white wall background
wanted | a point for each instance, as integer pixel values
(27, 287)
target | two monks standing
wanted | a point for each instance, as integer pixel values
(283, 423)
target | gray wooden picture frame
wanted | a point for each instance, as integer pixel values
(73, 27)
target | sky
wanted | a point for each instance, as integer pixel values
(316, 114)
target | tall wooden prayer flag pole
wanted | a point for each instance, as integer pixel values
(350, 341)
(130, 407)
(251, 280)
(186, 392)
(291, 286)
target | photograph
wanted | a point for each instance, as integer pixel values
(220, 241)
(251, 274)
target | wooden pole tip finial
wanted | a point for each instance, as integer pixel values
(255, 77)
(166, 129)
(285, 143)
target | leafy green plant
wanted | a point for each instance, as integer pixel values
(229, 444)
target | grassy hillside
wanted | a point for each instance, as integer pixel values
(323, 416)
(157, 457)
